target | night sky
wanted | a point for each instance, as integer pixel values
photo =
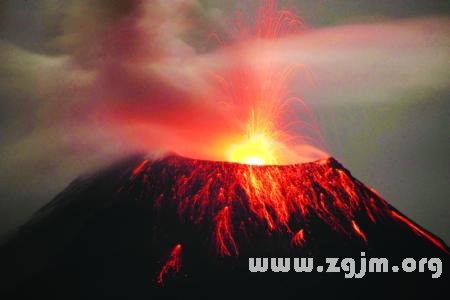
(380, 94)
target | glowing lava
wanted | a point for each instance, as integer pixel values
(231, 206)
(420, 231)
(256, 150)
(172, 265)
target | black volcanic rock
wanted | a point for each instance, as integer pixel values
(177, 227)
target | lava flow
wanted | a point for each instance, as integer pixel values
(232, 206)
(177, 221)
(258, 198)
(172, 265)
(151, 226)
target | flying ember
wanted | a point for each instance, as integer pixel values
(258, 96)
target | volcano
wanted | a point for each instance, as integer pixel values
(179, 227)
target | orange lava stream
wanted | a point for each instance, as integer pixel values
(299, 238)
(234, 199)
(223, 234)
(419, 231)
(358, 231)
(172, 265)
(140, 167)
(230, 202)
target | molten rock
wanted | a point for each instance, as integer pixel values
(176, 226)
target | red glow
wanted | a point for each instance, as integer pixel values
(299, 238)
(233, 104)
(226, 246)
(172, 265)
(140, 167)
(419, 231)
(233, 199)
(257, 95)
(229, 202)
(359, 231)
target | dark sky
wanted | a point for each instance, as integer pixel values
(381, 98)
